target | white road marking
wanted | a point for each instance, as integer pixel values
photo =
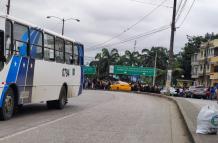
(36, 127)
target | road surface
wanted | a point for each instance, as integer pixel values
(99, 117)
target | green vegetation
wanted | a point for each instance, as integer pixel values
(146, 58)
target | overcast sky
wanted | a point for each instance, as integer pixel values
(103, 19)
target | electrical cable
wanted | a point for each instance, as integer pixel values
(181, 10)
(155, 4)
(154, 31)
(193, 2)
(130, 27)
(180, 3)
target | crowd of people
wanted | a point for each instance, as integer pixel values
(105, 85)
(97, 84)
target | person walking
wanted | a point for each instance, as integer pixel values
(212, 92)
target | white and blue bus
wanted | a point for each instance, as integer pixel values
(37, 66)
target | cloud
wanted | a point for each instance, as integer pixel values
(103, 19)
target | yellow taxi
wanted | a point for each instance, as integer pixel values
(120, 85)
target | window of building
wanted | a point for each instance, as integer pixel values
(49, 47)
(196, 70)
(201, 67)
(21, 37)
(202, 53)
(215, 51)
(216, 69)
(59, 50)
(36, 50)
(69, 52)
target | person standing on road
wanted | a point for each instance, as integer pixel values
(212, 92)
(217, 93)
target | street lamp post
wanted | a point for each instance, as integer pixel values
(63, 21)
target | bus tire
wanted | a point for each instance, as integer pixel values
(50, 104)
(7, 110)
(61, 102)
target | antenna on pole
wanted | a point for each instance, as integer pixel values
(155, 65)
(8, 7)
(135, 45)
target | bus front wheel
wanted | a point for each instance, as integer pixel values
(7, 110)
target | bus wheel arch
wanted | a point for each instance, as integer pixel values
(66, 88)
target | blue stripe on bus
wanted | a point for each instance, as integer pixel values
(22, 74)
(23, 48)
(12, 75)
(30, 75)
(16, 73)
(33, 49)
(31, 64)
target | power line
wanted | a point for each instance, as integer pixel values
(181, 10)
(193, 2)
(180, 3)
(154, 31)
(130, 27)
(155, 4)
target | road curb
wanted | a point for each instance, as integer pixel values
(181, 112)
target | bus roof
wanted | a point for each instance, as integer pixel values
(38, 27)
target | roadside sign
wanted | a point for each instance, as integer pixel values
(89, 70)
(128, 70)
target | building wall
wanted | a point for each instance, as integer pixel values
(210, 49)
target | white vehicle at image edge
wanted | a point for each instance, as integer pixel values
(171, 91)
(37, 66)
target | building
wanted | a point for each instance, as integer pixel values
(205, 64)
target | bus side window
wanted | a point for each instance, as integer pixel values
(68, 52)
(48, 47)
(8, 38)
(75, 54)
(21, 37)
(59, 50)
(35, 44)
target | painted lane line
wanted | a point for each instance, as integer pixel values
(36, 127)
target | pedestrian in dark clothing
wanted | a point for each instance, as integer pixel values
(212, 92)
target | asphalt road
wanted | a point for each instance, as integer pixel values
(99, 117)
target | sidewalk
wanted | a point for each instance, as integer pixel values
(190, 109)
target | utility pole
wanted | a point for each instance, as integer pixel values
(8, 7)
(63, 20)
(155, 65)
(135, 45)
(173, 29)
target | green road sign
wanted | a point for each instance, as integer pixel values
(89, 70)
(128, 70)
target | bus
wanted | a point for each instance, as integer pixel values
(37, 66)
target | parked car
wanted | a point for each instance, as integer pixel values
(198, 92)
(171, 91)
(120, 85)
(189, 92)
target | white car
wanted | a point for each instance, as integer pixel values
(171, 90)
